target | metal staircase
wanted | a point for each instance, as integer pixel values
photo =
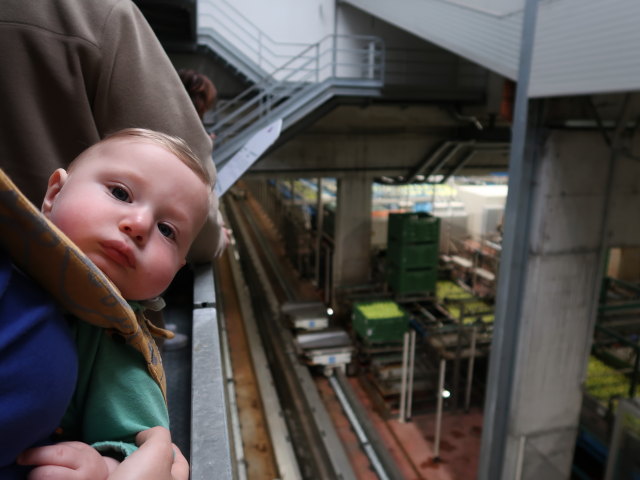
(290, 80)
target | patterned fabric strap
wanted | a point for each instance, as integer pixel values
(41, 250)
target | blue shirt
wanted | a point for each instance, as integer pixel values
(38, 366)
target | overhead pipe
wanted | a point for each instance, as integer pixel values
(448, 150)
(444, 146)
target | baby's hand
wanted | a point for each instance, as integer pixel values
(156, 459)
(65, 461)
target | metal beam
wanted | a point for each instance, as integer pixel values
(504, 346)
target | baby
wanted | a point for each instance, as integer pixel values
(133, 203)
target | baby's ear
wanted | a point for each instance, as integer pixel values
(56, 181)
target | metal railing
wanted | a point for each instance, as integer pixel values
(211, 439)
(221, 20)
(290, 79)
(299, 86)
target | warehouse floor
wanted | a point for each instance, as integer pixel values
(411, 444)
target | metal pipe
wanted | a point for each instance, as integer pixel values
(358, 430)
(448, 156)
(319, 227)
(436, 446)
(508, 320)
(472, 357)
(455, 387)
(460, 164)
(429, 160)
(412, 357)
(371, 59)
(334, 53)
(328, 283)
(403, 386)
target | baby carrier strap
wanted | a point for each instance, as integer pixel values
(42, 251)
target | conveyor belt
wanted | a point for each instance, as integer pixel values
(316, 444)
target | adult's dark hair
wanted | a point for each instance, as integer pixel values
(201, 89)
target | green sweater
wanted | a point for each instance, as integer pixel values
(115, 397)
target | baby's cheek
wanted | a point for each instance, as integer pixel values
(164, 274)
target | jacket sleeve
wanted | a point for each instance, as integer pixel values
(115, 398)
(138, 86)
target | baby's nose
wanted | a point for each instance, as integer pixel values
(137, 225)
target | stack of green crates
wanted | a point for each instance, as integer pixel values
(379, 321)
(412, 252)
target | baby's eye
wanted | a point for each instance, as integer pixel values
(166, 230)
(120, 193)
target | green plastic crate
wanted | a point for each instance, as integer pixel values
(418, 255)
(412, 280)
(413, 227)
(379, 322)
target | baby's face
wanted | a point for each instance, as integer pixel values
(133, 208)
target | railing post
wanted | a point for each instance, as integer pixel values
(371, 60)
(334, 56)
(210, 434)
(403, 388)
(319, 227)
(440, 400)
(318, 62)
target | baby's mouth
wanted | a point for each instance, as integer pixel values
(120, 253)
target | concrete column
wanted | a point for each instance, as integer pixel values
(580, 197)
(352, 242)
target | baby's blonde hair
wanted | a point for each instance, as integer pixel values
(176, 145)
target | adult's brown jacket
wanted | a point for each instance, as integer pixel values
(72, 71)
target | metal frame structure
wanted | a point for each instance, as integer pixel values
(210, 435)
(289, 80)
(511, 278)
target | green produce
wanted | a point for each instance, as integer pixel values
(604, 382)
(377, 310)
(454, 298)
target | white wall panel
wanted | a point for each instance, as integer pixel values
(290, 20)
(494, 7)
(586, 46)
(580, 47)
(489, 40)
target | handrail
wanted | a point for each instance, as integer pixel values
(284, 74)
(355, 60)
(224, 18)
(210, 431)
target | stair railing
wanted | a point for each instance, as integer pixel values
(219, 18)
(354, 63)
(287, 77)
